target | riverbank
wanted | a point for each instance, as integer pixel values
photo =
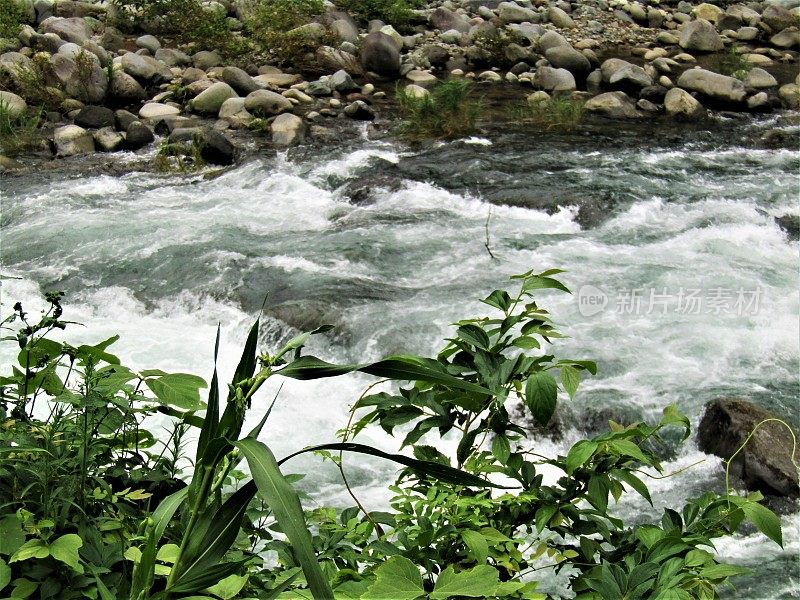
(179, 105)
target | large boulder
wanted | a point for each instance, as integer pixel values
(759, 79)
(74, 30)
(265, 103)
(714, 86)
(235, 114)
(566, 57)
(125, 88)
(13, 104)
(216, 149)
(345, 30)
(621, 75)
(701, 36)
(145, 68)
(445, 20)
(287, 129)
(95, 117)
(71, 140)
(210, 100)
(560, 19)
(765, 463)
(239, 80)
(788, 38)
(778, 18)
(511, 12)
(682, 105)
(551, 39)
(83, 79)
(380, 54)
(555, 80)
(614, 105)
(138, 135)
(155, 111)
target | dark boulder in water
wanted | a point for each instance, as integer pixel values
(765, 463)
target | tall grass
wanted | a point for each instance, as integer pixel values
(559, 113)
(18, 132)
(448, 111)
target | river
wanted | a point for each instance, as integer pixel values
(685, 286)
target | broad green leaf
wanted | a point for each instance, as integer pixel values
(285, 504)
(543, 283)
(674, 594)
(66, 548)
(499, 299)
(570, 379)
(35, 548)
(767, 521)
(23, 588)
(168, 553)
(501, 448)
(672, 416)
(5, 574)
(579, 454)
(477, 545)
(720, 571)
(282, 581)
(210, 576)
(629, 449)
(541, 391)
(229, 587)
(436, 470)
(177, 389)
(11, 535)
(166, 510)
(633, 481)
(396, 579)
(526, 342)
(478, 582)
(474, 335)
(543, 516)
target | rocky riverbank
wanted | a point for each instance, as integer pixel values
(103, 90)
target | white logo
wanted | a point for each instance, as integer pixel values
(591, 300)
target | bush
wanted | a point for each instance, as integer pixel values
(19, 132)
(10, 18)
(393, 12)
(559, 112)
(92, 505)
(734, 64)
(188, 21)
(448, 111)
(277, 27)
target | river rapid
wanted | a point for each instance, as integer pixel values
(685, 287)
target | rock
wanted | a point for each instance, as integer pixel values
(148, 42)
(638, 13)
(191, 74)
(287, 129)
(415, 91)
(790, 224)
(239, 80)
(566, 57)
(392, 33)
(206, 59)
(790, 94)
(172, 58)
(759, 102)
(126, 89)
(647, 106)
(155, 110)
(145, 68)
(380, 54)
(560, 19)
(345, 31)
(759, 79)
(74, 29)
(744, 14)
(745, 34)
(614, 105)
(713, 85)
(278, 80)
(111, 39)
(123, 118)
(788, 38)
(83, 79)
(265, 103)
(422, 78)
(95, 117)
(235, 114)
(138, 135)
(511, 12)
(655, 18)
(444, 20)
(708, 12)
(437, 56)
(71, 140)
(452, 36)
(210, 100)
(551, 39)
(13, 104)
(107, 139)
(360, 111)
(765, 463)
(216, 149)
(342, 82)
(490, 76)
(295, 94)
(622, 75)
(758, 59)
(333, 60)
(777, 17)
(667, 38)
(682, 105)
(555, 80)
(701, 36)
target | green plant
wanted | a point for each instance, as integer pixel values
(394, 12)
(30, 82)
(18, 132)
(733, 63)
(559, 112)
(181, 157)
(447, 111)
(493, 46)
(283, 28)
(10, 18)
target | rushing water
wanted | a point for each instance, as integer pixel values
(647, 227)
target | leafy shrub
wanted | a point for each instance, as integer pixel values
(734, 64)
(276, 26)
(393, 12)
(493, 45)
(30, 82)
(448, 111)
(10, 18)
(179, 157)
(91, 504)
(188, 21)
(560, 112)
(19, 132)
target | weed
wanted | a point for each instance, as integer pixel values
(733, 63)
(447, 111)
(559, 112)
(394, 12)
(180, 157)
(10, 18)
(18, 133)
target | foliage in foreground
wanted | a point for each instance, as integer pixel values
(10, 18)
(448, 111)
(94, 505)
